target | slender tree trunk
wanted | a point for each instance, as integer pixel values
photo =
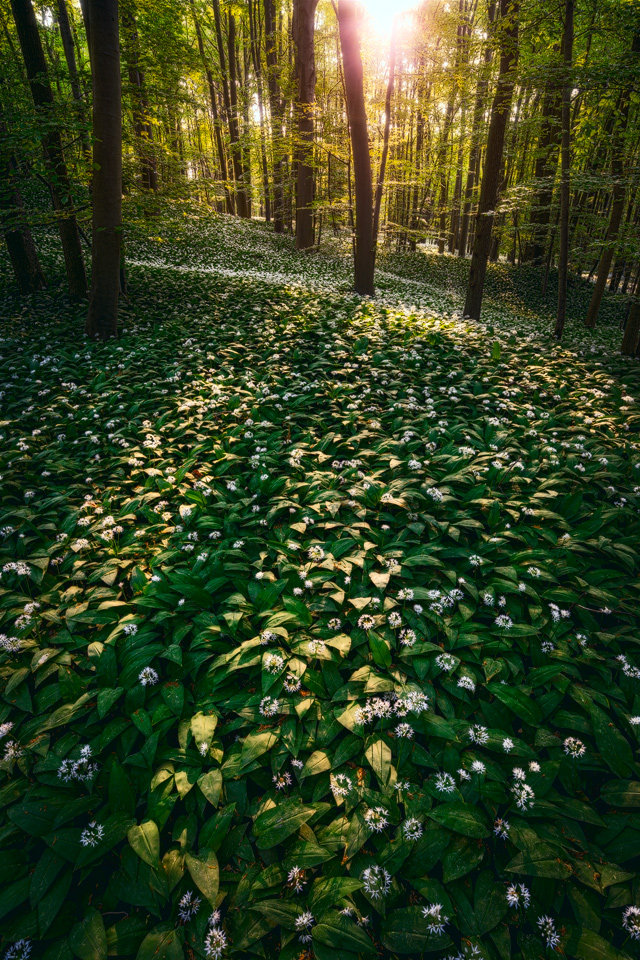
(303, 18)
(356, 112)
(140, 101)
(509, 13)
(70, 56)
(222, 160)
(15, 228)
(102, 318)
(277, 113)
(242, 200)
(257, 69)
(474, 153)
(387, 130)
(36, 67)
(631, 336)
(544, 173)
(617, 198)
(565, 164)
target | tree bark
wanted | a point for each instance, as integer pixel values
(631, 337)
(544, 173)
(140, 101)
(303, 18)
(76, 91)
(257, 68)
(474, 153)
(42, 94)
(15, 229)
(277, 113)
(214, 113)
(565, 165)
(242, 198)
(617, 199)
(102, 318)
(387, 130)
(509, 12)
(356, 113)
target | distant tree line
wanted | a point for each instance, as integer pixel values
(486, 128)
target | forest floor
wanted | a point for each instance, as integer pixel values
(317, 610)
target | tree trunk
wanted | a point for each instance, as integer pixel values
(565, 164)
(544, 173)
(304, 15)
(242, 199)
(617, 199)
(214, 113)
(387, 130)
(631, 332)
(15, 229)
(277, 114)
(141, 123)
(70, 57)
(509, 12)
(356, 113)
(257, 68)
(36, 67)
(102, 318)
(474, 153)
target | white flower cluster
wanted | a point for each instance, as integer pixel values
(378, 708)
(81, 769)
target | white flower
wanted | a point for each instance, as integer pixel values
(508, 744)
(269, 706)
(315, 553)
(445, 783)
(404, 730)
(631, 921)
(376, 881)
(20, 950)
(435, 918)
(215, 943)
(130, 629)
(188, 906)
(501, 828)
(296, 879)
(282, 780)
(148, 676)
(375, 818)
(412, 829)
(574, 748)
(394, 619)
(478, 734)
(303, 925)
(548, 930)
(340, 784)
(366, 621)
(92, 834)
(518, 894)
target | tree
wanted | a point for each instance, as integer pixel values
(15, 228)
(618, 196)
(304, 15)
(364, 260)
(509, 12)
(102, 318)
(42, 94)
(387, 130)
(565, 164)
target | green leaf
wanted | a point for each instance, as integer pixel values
(378, 756)
(342, 933)
(204, 873)
(404, 931)
(622, 793)
(275, 825)
(145, 840)
(521, 704)
(614, 749)
(88, 939)
(460, 818)
(318, 762)
(163, 943)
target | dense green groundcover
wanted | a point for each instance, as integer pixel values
(320, 626)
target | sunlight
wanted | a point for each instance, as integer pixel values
(381, 13)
